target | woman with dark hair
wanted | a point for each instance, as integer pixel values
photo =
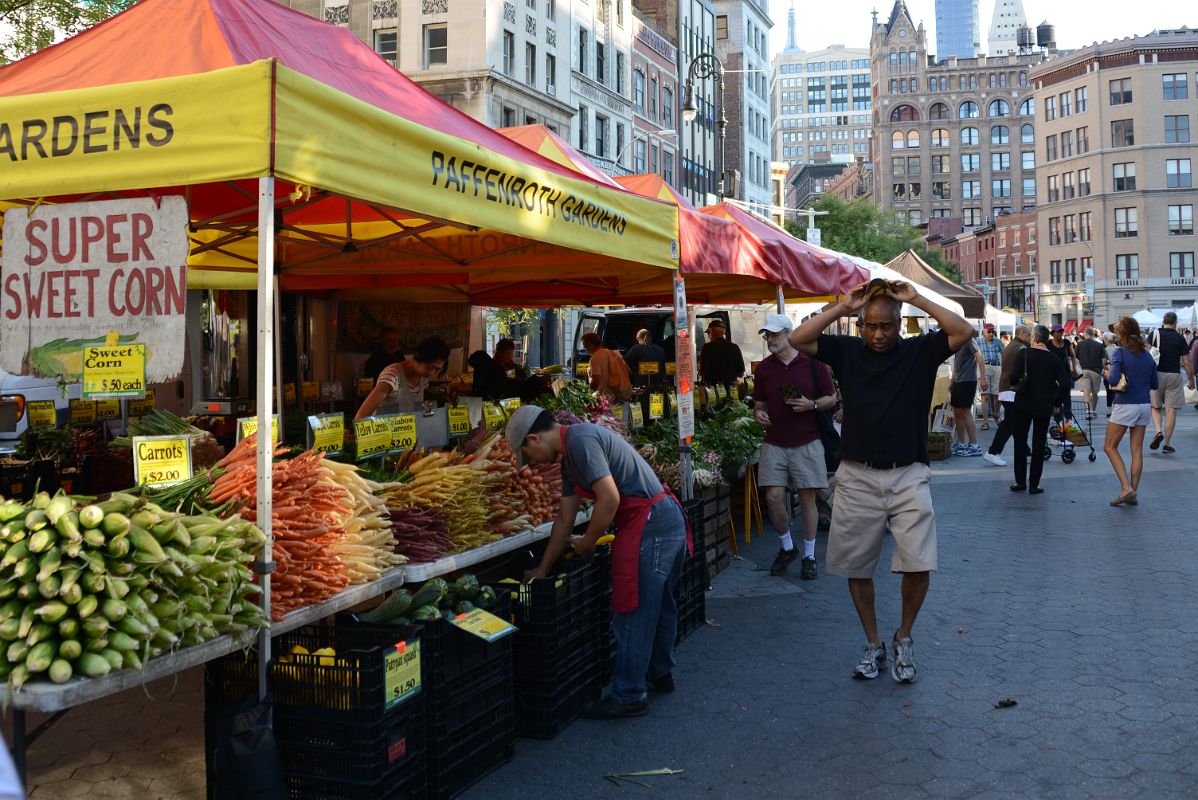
(400, 387)
(1041, 380)
(1132, 375)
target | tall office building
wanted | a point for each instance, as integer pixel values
(1116, 154)
(954, 138)
(821, 105)
(1004, 26)
(601, 39)
(958, 32)
(742, 45)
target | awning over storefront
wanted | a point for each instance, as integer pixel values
(1070, 324)
(1087, 323)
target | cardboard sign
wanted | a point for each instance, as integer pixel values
(161, 460)
(114, 371)
(648, 368)
(403, 431)
(83, 412)
(42, 414)
(493, 415)
(108, 409)
(657, 405)
(142, 407)
(248, 426)
(484, 625)
(326, 433)
(85, 270)
(373, 435)
(401, 673)
(311, 391)
(459, 420)
(365, 387)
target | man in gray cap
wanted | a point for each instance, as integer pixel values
(788, 388)
(652, 540)
(720, 360)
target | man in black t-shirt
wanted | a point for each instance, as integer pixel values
(1169, 395)
(720, 361)
(886, 387)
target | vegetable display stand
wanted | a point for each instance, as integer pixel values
(561, 648)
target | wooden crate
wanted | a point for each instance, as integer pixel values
(939, 446)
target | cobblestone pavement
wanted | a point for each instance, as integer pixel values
(1079, 612)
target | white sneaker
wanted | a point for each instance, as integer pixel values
(993, 459)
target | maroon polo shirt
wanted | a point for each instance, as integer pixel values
(787, 427)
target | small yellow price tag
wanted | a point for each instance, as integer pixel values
(140, 408)
(493, 415)
(459, 420)
(671, 368)
(42, 414)
(509, 404)
(648, 368)
(373, 436)
(657, 405)
(365, 386)
(638, 416)
(248, 426)
(108, 408)
(326, 433)
(583, 368)
(618, 411)
(161, 460)
(311, 391)
(289, 394)
(401, 672)
(117, 371)
(484, 625)
(403, 431)
(720, 392)
(83, 412)
(749, 385)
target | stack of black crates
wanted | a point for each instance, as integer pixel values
(564, 650)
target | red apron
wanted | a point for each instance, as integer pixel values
(630, 519)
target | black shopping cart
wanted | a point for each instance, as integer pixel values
(1071, 429)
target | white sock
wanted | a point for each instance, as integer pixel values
(787, 542)
(808, 548)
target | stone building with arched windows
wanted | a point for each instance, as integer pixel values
(952, 138)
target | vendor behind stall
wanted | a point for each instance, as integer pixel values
(400, 387)
(652, 540)
(644, 352)
(386, 354)
(609, 373)
(491, 379)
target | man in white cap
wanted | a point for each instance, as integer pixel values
(652, 540)
(789, 387)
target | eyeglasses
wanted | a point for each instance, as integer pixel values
(772, 335)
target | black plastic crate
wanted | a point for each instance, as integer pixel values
(461, 703)
(409, 782)
(553, 606)
(460, 757)
(352, 752)
(691, 616)
(546, 705)
(449, 653)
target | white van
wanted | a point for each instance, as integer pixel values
(16, 391)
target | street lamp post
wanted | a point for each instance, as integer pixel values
(662, 133)
(707, 65)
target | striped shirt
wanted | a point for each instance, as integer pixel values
(991, 350)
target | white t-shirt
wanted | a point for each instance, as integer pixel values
(405, 397)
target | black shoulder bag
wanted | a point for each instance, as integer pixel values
(828, 436)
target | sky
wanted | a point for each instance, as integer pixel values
(819, 23)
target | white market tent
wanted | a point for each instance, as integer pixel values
(1147, 318)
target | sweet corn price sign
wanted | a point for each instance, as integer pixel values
(161, 460)
(401, 672)
(114, 371)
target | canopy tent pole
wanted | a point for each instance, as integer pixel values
(781, 300)
(266, 369)
(684, 385)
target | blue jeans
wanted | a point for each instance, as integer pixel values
(645, 637)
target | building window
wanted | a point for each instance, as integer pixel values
(969, 136)
(1054, 272)
(1067, 186)
(898, 140)
(386, 44)
(509, 52)
(941, 164)
(940, 137)
(912, 139)
(667, 108)
(938, 111)
(619, 73)
(1083, 182)
(1000, 134)
(998, 108)
(1050, 109)
(530, 64)
(1177, 173)
(1000, 187)
(1027, 108)
(653, 99)
(913, 165)
(550, 73)
(600, 136)
(1125, 176)
(638, 90)
(1181, 265)
(1085, 226)
(582, 51)
(1126, 225)
(1050, 148)
(903, 113)
(898, 166)
(1176, 86)
(509, 117)
(1081, 97)
(898, 191)
(971, 190)
(1066, 104)
(721, 26)
(601, 62)
(969, 110)
(971, 162)
(1054, 188)
(436, 45)
(1000, 162)
(1122, 133)
(583, 130)
(1121, 92)
(1029, 187)
(1083, 140)
(971, 217)
(1066, 144)
(1181, 220)
(551, 10)
(1027, 159)
(638, 156)
(1127, 267)
(941, 190)
(1177, 129)
(667, 166)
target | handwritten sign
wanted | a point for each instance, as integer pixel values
(114, 371)
(142, 407)
(484, 625)
(493, 415)
(248, 426)
(638, 416)
(83, 412)
(42, 414)
(161, 460)
(401, 672)
(108, 409)
(657, 405)
(459, 420)
(365, 387)
(326, 433)
(403, 431)
(311, 392)
(648, 368)
(373, 435)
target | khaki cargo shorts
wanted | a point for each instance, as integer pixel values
(866, 499)
(1090, 383)
(800, 467)
(1171, 392)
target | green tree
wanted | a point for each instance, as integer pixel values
(27, 26)
(861, 229)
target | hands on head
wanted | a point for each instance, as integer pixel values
(900, 291)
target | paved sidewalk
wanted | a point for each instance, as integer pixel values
(1081, 613)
